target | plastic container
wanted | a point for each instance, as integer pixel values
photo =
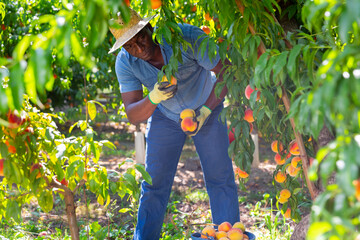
(197, 236)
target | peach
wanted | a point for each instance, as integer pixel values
(249, 115)
(287, 214)
(208, 231)
(292, 171)
(232, 135)
(356, 184)
(187, 113)
(225, 226)
(249, 91)
(11, 149)
(155, 4)
(188, 124)
(207, 17)
(14, 119)
(220, 234)
(193, 8)
(1, 167)
(246, 237)
(279, 160)
(276, 146)
(285, 193)
(37, 167)
(239, 225)
(295, 161)
(224, 238)
(235, 234)
(241, 173)
(206, 29)
(173, 80)
(294, 148)
(280, 177)
(282, 200)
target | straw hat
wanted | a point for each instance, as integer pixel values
(128, 30)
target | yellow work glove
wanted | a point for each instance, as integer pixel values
(201, 116)
(161, 92)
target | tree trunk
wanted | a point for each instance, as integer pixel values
(302, 227)
(71, 214)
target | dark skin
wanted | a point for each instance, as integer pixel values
(139, 109)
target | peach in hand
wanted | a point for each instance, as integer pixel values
(188, 124)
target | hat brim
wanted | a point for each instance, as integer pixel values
(130, 33)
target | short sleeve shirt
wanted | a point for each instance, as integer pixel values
(194, 78)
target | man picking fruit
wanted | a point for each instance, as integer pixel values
(137, 65)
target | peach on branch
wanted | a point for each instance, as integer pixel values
(287, 214)
(280, 177)
(294, 148)
(208, 231)
(188, 124)
(249, 117)
(207, 17)
(224, 226)
(279, 160)
(292, 171)
(285, 193)
(232, 135)
(1, 167)
(241, 173)
(295, 161)
(282, 200)
(155, 4)
(206, 29)
(235, 234)
(249, 91)
(37, 167)
(239, 225)
(276, 146)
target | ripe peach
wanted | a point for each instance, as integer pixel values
(232, 135)
(11, 149)
(208, 231)
(188, 124)
(155, 4)
(285, 193)
(206, 29)
(239, 225)
(207, 17)
(287, 214)
(295, 161)
(280, 177)
(1, 167)
(294, 148)
(193, 8)
(235, 234)
(225, 226)
(220, 234)
(241, 173)
(249, 115)
(127, 2)
(249, 91)
(279, 160)
(276, 146)
(356, 184)
(282, 200)
(187, 113)
(38, 167)
(224, 238)
(173, 81)
(292, 171)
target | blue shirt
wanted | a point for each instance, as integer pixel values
(194, 78)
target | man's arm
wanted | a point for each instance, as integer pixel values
(138, 109)
(212, 100)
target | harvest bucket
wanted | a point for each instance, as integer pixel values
(197, 236)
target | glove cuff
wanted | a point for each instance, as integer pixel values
(205, 110)
(151, 100)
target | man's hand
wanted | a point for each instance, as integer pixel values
(200, 118)
(161, 93)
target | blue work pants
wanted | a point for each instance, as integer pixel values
(164, 144)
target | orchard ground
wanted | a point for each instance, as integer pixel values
(188, 203)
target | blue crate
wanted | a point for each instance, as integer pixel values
(197, 236)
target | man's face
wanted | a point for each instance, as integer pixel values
(141, 45)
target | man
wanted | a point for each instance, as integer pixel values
(137, 64)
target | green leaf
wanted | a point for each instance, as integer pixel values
(16, 84)
(45, 200)
(317, 229)
(291, 64)
(13, 210)
(259, 68)
(280, 63)
(144, 174)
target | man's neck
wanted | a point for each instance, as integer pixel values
(158, 60)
